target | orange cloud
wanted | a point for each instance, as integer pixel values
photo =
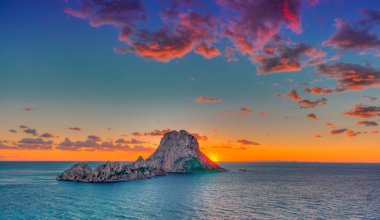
(202, 99)
(311, 104)
(312, 116)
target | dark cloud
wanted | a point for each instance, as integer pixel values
(351, 76)
(132, 141)
(350, 36)
(312, 116)
(95, 145)
(247, 142)
(23, 127)
(367, 123)
(339, 131)
(75, 128)
(152, 133)
(47, 135)
(27, 144)
(31, 131)
(245, 111)
(94, 138)
(363, 111)
(202, 99)
(12, 130)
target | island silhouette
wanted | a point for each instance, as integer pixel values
(178, 152)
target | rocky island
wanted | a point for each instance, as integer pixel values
(177, 152)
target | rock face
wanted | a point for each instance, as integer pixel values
(177, 152)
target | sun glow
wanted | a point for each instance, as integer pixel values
(213, 157)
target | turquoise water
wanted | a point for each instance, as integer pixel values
(265, 191)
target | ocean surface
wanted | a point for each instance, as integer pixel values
(28, 190)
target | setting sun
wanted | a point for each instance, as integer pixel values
(213, 157)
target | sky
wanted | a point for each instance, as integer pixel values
(279, 80)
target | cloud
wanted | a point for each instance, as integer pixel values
(312, 116)
(245, 111)
(247, 142)
(12, 130)
(23, 127)
(75, 128)
(284, 58)
(253, 23)
(315, 90)
(292, 94)
(356, 35)
(338, 131)
(28, 109)
(200, 137)
(367, 123)
(47, 135)
(202, 99)
(351, 36)
(222, 146)
(263, 113)
(30, 131)
(132, 141)
(153, 133)
(27, 144)
(351, 76)
(331, 125)
(179, 34)
(184, 26)
(311, 104)
(207, 51)
(363, 111)
(94, 138)
(370, 98)
(352, 133)
(142, 148)
(96, 145)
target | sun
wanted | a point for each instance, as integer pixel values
(213, 157)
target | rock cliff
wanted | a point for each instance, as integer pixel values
(177, 152)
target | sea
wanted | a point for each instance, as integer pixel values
(29, 190)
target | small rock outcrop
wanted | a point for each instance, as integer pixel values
(108, 172)
(177, 152)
